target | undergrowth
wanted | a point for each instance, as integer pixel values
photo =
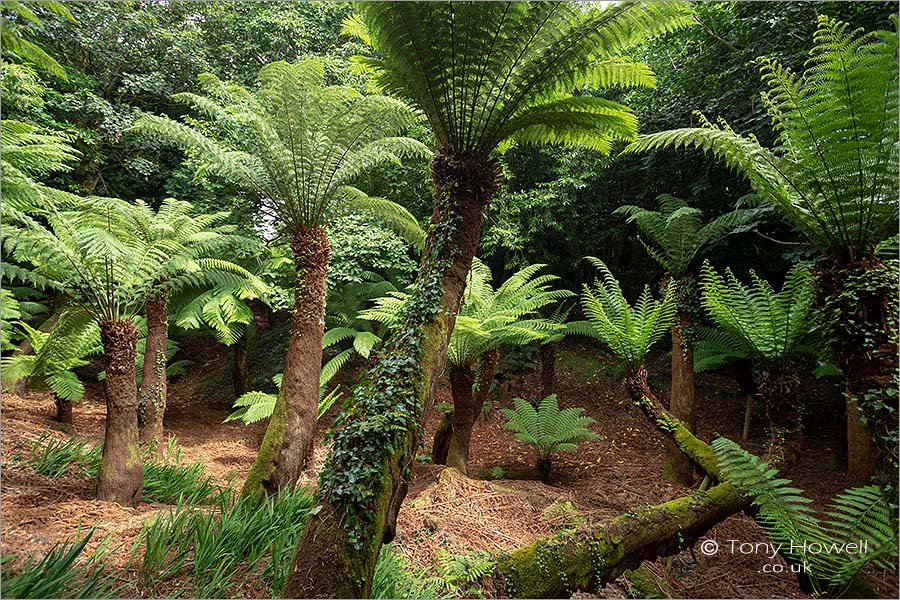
(216, 547)
(57, 576)
(167, 482)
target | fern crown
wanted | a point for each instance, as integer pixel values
(548, 428)
(296, 143)
(676, 233)
(629, 331)
(489, 72)
(754, 321)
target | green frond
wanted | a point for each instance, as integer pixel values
(548, 428)
(486, 72)
(629, 331)
(832, 173)
(770, 326)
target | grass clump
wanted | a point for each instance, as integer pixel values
(167, 483)
(57, 576)
(210, 547)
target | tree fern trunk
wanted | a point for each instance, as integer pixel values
(367, 472)
(461, 383)
(121, 476)
(860, 305)
(63, 412)
(239, 366)
(288, 441)
(152, 393)
(677, 468)
(779, 389)
(548, 368)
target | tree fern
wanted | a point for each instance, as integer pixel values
(629, 331)
(676, 233)
(296, 143)
(758, 322)
(255, 406)
(484, 73)
(547, 428)
(856, 516)
(833, 171)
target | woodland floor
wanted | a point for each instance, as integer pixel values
(604, 478)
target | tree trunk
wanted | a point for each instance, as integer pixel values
(152, 393)
(859, 302)
(838, 429)
(587, 559)
(548, 368)
(63, 411)
(677, 468)
(487, 368)
(289, 438)
(463, 417)
(441, 444)
(748, 416)
(367, 472)
(239, 380)
(779, 389)
(121, 473)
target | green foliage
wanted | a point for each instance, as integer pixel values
(295, 142)
(628, 330)
(57, 576)
(485, 73)
(255, 406)
(856, 516)
(548, 428)
(396, 578)
(676, 232)
(17, 20)
(835, 162)
(489, 318)
(163, 482)
(94, 252)
(755, 321)
(210, 547)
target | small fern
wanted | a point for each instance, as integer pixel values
(548, 428)
(255, 406)
(857, 516)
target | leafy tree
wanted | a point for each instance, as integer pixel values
(769, 327)
(487, 319)
(483, 74)
(832, 175)
(675, 235)
(548, 429)
(17, 21)
(299, 145)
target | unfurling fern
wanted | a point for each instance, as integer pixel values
(860, 527)
(548, 428)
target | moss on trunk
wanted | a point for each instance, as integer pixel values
(289, 438)
(367, 471)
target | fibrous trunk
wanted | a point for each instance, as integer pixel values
(367, 471)
(289, 438)
(860, 307)
(152, 393)
(239, 380)
(63, 410)
(677, 468)
(121, 473)
(548, 368)
(779, 389)
(463, 417)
